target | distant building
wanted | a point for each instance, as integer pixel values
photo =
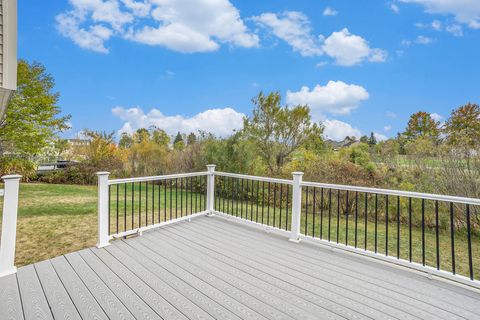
(8, 52)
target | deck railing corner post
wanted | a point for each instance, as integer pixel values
(9, 224)
(210, 189)
(296, 206)
(103, 212)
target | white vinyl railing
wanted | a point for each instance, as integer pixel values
(9, 224)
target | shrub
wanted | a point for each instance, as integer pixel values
(24, 167)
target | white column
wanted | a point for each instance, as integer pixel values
(211, 188)
(103, 203)
(9, 225)
(296, 206)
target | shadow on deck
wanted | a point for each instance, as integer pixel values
(211, 268)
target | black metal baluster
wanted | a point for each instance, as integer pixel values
(376, 221)
(196, 194)
(238, 197)
(410, 229)
(191, 195)
(246, 200)
(176, 198)
(356, 217)
(109, 207)
(263, 198)
(165, 201)
(256, 211)
(117, 206)
(452, 236)
(251, 202)
(437, 239)
(306, 211)
(232, 195)
(268, 205)
(469, 239)
(346, 219)
(181, 196)
(321, 213)
(338, 215)
(286, 208)
(386, 225)
(366, 222)
(223, 194)
(133, 204)
(329, 211)
(153, 202)
(124, 207)
(313, 211)
(274, 202)
(242, 200)
(140, 204)
(423, 232)
(398, 227)
(159, 197)
(146, 203)
(171, 199)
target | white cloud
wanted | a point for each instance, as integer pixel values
(180, 25)
(337, 130)
(423, 40)
(379, 136)
(336, 97)
(394, 7)
(221, 122)
(464, 11)
(455, 29)
(348, 49)
(294, 28)
(436, 25)
(435, 116)
(330, 12)
(387, 128)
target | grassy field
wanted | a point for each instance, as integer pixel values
(57, 219)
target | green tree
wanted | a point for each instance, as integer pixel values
(463, 126)
(32, 118)
(178, 143)
(364, 139)
(421, 125)
(160, 137)
(372, 141)
(278, 130)
(126, 141)
(191, 139)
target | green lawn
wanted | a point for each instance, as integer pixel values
(57, 219)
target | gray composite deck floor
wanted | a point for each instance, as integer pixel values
(211, 268)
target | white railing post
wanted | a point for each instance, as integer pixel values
(103, 203)
(296, 206)
(210, 188)
(9, 225)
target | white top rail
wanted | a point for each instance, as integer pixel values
(244, 176)
(418, 195)
(158, 178)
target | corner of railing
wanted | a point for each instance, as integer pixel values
(210, 189)
(103, 203)
(9, 225)
(296, 206)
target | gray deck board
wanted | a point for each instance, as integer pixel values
(214, 268)
(397, 282)
(10, 304)
(58, 299)
(380, 294)
(31, 291)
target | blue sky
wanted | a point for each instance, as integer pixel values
(186, 65)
